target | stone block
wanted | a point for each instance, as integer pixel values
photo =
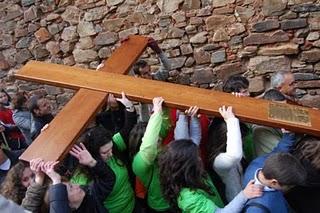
(236, 29)
(169, 6)
(220, 35)
(273, 7)
(69, 33)
(293, 24)
(199, 38)
(39, 52)
(106, 38)
(218, 56)
(224, 71)
(201, 56)
(96, 13)
(265, 64)
(264, 26)
(221, 3)
(218, 21)
(244, 13)
(260, 38)
(113, 25)
(202, 76)
(22, 56)
(24, 42)
(72, 14)
(86, 29)
(31, 14)
(84, 56)
(310, 56)
(42, 35)
(281, 49)
(177, 62)
(256, 85)
(186, 49)
(305, 8)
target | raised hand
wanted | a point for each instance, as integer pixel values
(192, 111)
(226, 113)
(48, 169)
(154, 45)
(35, 166)
(157, 104)
(83, 155)
(252, 190)
(112, 101)
(238, 94)
(126, 102)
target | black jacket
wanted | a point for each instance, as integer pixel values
(95, 193)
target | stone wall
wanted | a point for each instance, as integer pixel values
(206, 40)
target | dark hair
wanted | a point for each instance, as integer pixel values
(135, 138)
(138, 65)
(285, 168)
(235, 83)
(19, 100)
(3, 91)
(217, 137)
(99, 136)
(308, 148)
(180, 167)
(33, 103)
(11, 187)
(274, 95)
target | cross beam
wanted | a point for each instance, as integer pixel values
(247, 109)
(70, 122)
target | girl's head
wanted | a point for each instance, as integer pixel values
(20, 100)
(99, 143)
(4, 98)
(16, 182)
(181, 167)
(135, 138)
(217, 137)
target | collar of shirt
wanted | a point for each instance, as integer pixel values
(256, 181)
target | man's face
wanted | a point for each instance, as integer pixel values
(44, 107)
(245, 92)
(288, 85)
(145, 72)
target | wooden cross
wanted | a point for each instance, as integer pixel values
(93, 86)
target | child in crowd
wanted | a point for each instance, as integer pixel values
(11, 135)
(276, 172)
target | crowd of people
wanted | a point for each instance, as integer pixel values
(147, 158)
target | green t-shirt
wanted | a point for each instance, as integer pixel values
(121, 199)
(199, 201)
(155, 197)
(145, 166)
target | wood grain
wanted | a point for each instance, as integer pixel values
(55, 141)
(179, 96)
(121, 59)
(67, 126)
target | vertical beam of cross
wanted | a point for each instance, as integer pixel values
(72, 120)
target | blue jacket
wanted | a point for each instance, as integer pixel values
(272, 200)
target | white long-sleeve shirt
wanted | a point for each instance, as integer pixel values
(227, 164)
